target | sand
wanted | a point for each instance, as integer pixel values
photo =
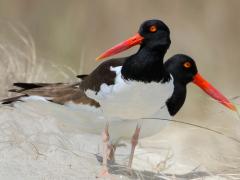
(36, 145)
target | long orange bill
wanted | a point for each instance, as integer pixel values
(135, 40)
(213, 92)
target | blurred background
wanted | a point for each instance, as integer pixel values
(73, 33)
(51, 41)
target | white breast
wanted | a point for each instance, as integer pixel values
(34, 98)
(119, 102)
(83, 118)
(131, 99)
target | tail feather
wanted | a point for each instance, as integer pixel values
(33, 85)
(82, 76)
(12, 99)
(27, 85)
(16, 90)
(50, 90)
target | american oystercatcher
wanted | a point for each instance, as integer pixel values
(126, 89)
(184, 70)
(181, 67)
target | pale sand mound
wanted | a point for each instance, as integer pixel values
(34, 145)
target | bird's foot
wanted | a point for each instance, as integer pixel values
(111, 153)
(134, 143)
(103, 173)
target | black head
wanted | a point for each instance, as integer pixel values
(184, 70)
(182, 67)
(155, 34)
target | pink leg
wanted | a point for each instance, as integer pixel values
(106, 152)
(134, 142)
(111, 155)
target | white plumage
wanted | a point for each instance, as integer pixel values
(123, 104)
(131, 99)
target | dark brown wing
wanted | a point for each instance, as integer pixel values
(59, 93)
(12, 99)
(82, 76)
(76, 96)
(26, 86)
(62, 93)
(102, 74)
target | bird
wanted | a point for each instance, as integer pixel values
(123, 90)
(183, 69)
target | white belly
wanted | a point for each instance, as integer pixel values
(124, 129)
(120, 102)
(83, 118)
(131, 99)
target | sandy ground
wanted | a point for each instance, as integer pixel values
(36, 145)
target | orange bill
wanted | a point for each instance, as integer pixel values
(213, 92)
(135, 40)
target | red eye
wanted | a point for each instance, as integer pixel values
(153, 28)
(187, 64)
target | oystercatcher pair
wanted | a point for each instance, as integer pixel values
(126, 90)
